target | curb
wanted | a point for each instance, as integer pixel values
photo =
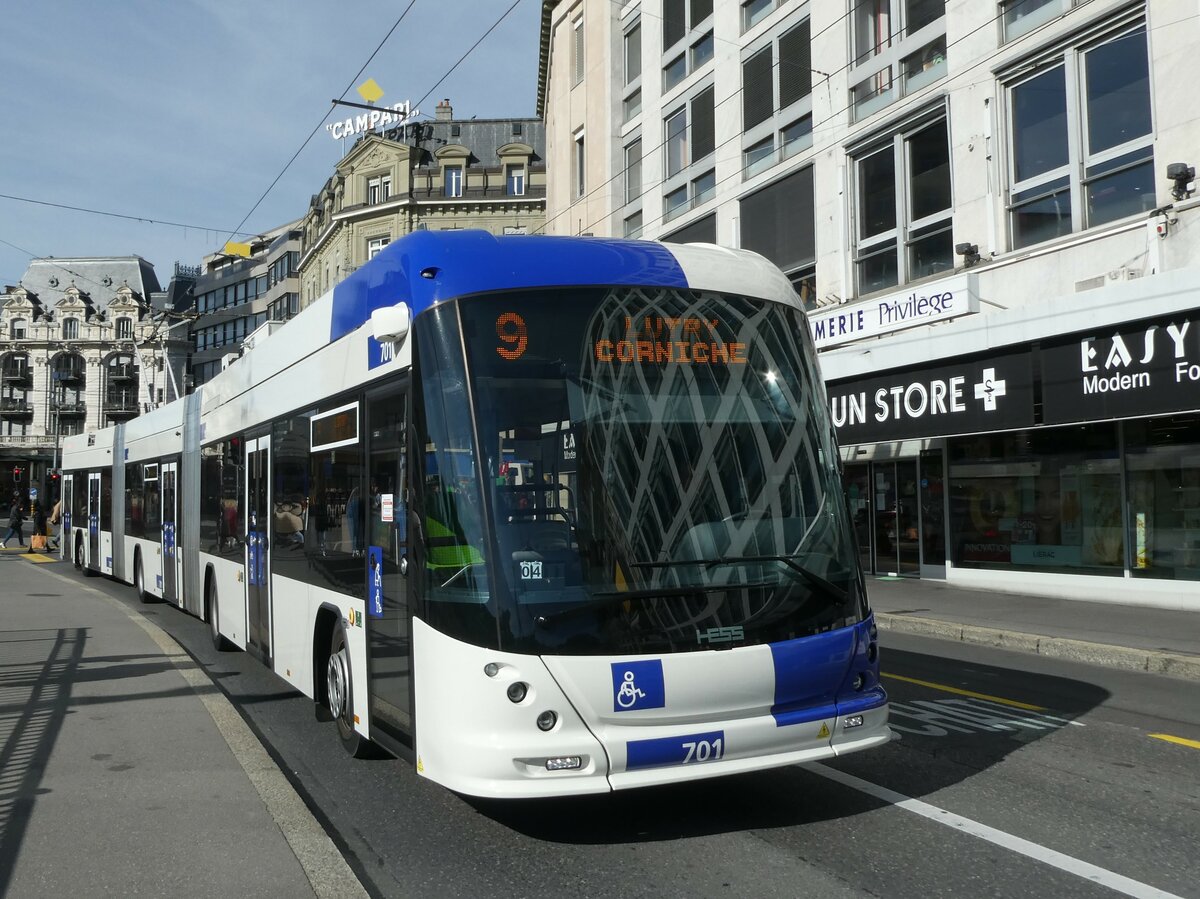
(1105, 655)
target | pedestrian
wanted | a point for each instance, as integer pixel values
(37, 542)
(15, 520)
(56, 522)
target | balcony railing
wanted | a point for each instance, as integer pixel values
(68, 408)
(27, 441)
(121, 405)
(14, 408)
(70, 374)
(17, 377)
(122, 373)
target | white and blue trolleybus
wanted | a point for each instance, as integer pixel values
(546, 515)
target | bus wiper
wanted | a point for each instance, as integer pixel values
(825, 586)
(603, 600)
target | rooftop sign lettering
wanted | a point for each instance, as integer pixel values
(384, 117)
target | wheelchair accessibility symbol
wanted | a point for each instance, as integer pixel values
(628, 693)
(638, 685)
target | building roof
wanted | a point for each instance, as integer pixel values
(544, 56)
(98, 277)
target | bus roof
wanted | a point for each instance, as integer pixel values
(425, 267)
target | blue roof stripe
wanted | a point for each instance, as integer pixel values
(467, 262)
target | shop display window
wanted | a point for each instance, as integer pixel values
(1044, 500)
(1162, 471)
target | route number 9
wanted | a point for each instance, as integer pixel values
(510, 328)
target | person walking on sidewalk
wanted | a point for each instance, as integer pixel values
(15, 520)
(56, 523)
(37, 542)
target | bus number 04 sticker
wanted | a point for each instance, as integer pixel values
(531, 571)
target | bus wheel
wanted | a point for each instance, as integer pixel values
(341, 696)
(79, 554)
(220, 644)
(139, 581)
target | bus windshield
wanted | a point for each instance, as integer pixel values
(656, 472)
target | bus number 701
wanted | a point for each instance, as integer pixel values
(703, 751)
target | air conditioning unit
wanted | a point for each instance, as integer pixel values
(1116, 276)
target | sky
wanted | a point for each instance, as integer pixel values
(185, 111)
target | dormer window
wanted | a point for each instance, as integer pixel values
(18, 329)
(70, 329)
(454, 180)
(379, 189)
(124, 329)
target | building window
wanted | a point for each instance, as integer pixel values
(1082, 141)
(754, 11)
(777, 99)
(779, 222)
(1162, 465)
(684, 145)
(375, 246)
(454, 180)
(633, 171)
(577, 29)
(681, 16)
(514, 180)
(379, 189)
(631, 106)
(899, 47)
(685, 63)
(17, 329)
(511, 230)
(904, 207)
(124, 329)
(1022, 16)
(633, 226)
(70, 329)
(580, 167)
(633, 53)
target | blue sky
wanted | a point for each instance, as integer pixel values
(186, 110)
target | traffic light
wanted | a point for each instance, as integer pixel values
(16, 475)
(54, 475)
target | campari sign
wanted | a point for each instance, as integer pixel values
(1137, 368)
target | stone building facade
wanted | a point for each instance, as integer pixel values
(435, 175)
(84, 343)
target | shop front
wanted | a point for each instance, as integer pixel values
(1069, 465)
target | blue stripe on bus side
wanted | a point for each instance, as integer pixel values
(808, 673)
(466, 262)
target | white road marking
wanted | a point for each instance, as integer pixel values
(1067, 863)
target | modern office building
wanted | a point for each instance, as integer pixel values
(989, 211)
(442, 174)
(84, 343)
(236, 295)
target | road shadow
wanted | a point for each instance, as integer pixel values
(32, 727)
(944, 738)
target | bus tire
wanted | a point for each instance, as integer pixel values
(139, 579)
(78, 555)
(211, 609)
(340, 693)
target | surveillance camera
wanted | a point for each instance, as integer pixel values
(966, 249)
(1183, 175)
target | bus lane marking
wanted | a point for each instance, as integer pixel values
(940, 717)
(1067, 863)
(946, 688)
(1182, 741)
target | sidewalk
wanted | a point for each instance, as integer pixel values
(1160, 641)
(124, 771)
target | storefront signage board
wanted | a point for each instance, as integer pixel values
(931, 302)
(1132, 369)
(989, 394)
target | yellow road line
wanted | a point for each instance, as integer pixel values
(961, 692)
(1182, 741)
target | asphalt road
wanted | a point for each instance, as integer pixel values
(1014, 775)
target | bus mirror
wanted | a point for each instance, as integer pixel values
(390, 324)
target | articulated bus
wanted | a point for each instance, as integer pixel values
(545, 515)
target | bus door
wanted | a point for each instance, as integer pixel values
(172, 562)
(258, 547)
(93, 524)
(389, 668)
(66, 542)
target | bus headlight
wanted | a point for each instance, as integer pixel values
(491, 669)
(564, 763)
(547, 719)
(517, 691)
